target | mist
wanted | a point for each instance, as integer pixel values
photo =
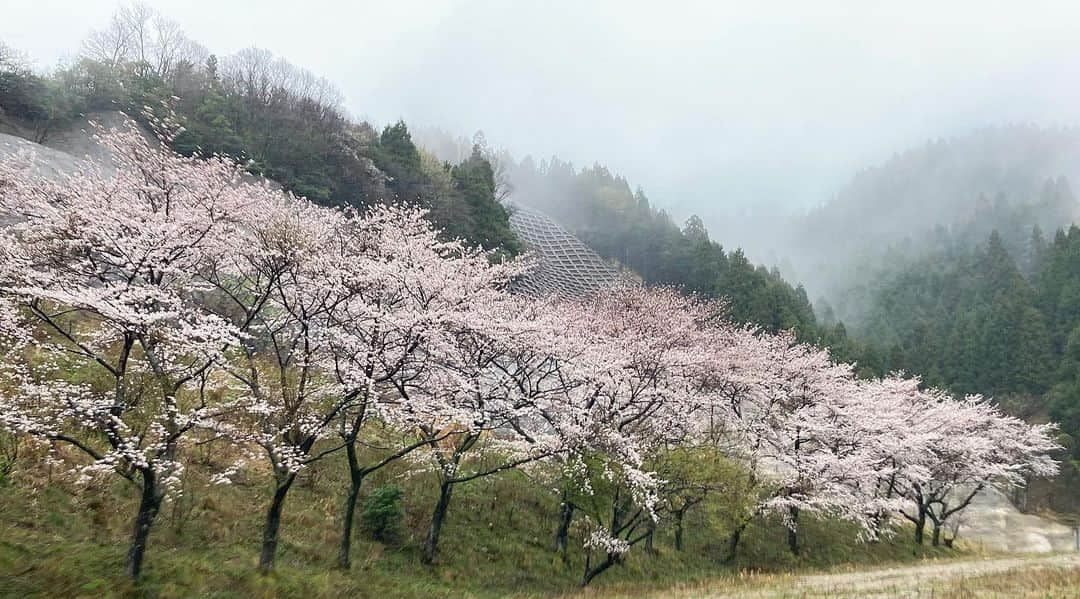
(706, 105)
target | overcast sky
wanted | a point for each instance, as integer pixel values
(707, 105)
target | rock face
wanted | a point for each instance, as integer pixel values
(70, 148)
(47, 161)
(994, 522)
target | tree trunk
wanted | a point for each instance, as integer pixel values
(273, 523)
(937, 535)
(345, 549)
(431, 545)
(733, 543)
(650, 535)
(793, 531)
(679, 529)
(591, 573)
(149, 503)
(562, 534)
(920, 525)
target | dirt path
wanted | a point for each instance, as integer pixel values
(918, 581)
(911, 580)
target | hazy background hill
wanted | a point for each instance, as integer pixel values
(952, 191)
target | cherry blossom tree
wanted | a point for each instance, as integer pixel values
(102, 270)
(415, 292)
(798, 421)
(493, 381)
(974, 446)
(349, 312)
(294, 268)
(641, 397)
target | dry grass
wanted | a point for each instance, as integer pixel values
(1003, 577)
(1041, 583)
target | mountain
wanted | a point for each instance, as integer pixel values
(945, 195)
(281, 121)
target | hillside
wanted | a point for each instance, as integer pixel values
(61, 540)
(621, 224)
(944, 194)
(253, 346)
(283, 122)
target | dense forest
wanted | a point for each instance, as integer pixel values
(987, 319)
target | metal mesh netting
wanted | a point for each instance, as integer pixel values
(567, 267)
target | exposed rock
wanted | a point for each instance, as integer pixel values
(994, 522)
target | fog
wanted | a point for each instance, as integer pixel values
(713, 108)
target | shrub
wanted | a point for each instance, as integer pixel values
(383, 513)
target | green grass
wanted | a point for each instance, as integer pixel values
(57, 539)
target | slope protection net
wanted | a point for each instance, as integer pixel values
(566, 266)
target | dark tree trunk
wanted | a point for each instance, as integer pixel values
(937, 535)
(431, 545)
(593, 572)
(650, 536)
(356, 478)
(562, 534)
(733, 543)
(793, 532)
(679, 529)
(273, 524)
(920, 525)
(149, 504)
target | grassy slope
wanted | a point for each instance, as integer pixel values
(57, 540)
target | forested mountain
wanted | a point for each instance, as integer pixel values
(972, 320)
(286, 123)
(620, 223)
(957, 191)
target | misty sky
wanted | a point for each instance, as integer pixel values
(707, 105)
